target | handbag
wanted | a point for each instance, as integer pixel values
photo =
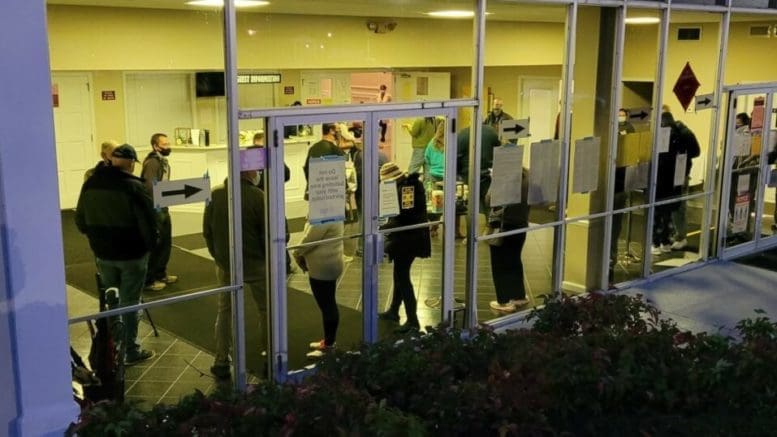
(494, 226)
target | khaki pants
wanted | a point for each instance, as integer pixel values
(224, 316)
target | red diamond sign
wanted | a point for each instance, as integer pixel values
(686, 86)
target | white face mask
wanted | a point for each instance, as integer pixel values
(621, 119)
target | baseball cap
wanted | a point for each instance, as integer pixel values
(125, 151)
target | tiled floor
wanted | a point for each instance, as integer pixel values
(180, 368)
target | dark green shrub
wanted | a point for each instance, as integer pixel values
(597, 365)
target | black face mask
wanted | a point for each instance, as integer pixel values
(165, 152)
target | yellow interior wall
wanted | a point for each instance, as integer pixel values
(586, 55)
(504, 83)
(640, 52)
(750, 60)
(109, 115)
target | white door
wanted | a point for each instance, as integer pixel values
(539, 102)
(415, 87)
(73, 124)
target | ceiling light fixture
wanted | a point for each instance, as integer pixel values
(643, 20)
(220, 3)
(451, 14)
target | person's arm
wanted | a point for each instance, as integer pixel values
(150, 173)
(81, 214)
(312, 233)
(207, 230)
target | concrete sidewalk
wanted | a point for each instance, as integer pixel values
(714, 297)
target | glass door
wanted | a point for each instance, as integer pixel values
(357, 214)
(747, 211)
(416, 196)
(315, 279)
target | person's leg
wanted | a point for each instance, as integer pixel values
(416, 161)
(383, 126)
(507, 269)
(324, 292)
(133, 274)
(679, 217)
(160, 255)
(404, 286)
(619, 201)
(223, 328)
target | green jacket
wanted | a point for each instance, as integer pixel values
(422, 131)
(215, 229)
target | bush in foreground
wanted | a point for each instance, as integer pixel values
(598, 365)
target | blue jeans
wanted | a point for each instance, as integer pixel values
(416, 161)
(128, 276)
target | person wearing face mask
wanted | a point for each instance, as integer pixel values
(156, 168)
(215, 230)
(496, 115)
(624, 126)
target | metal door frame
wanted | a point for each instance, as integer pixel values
(276, 245)
(757, 242)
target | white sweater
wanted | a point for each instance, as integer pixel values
(325, 261)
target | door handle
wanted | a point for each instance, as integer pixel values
(379, 242)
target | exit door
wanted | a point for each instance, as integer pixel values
(73, 127)
(747, 211)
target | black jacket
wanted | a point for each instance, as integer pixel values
(115, 211)
(681, 141)
(415, 242)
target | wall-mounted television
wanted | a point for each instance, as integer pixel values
(209, 84)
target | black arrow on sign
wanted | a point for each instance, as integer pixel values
(641, 115)
(704, 102)
(187, 191)
(517, 129)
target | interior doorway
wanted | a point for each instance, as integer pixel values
(74, 133)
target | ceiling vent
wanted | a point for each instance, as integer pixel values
(689, 33)
(759, 31)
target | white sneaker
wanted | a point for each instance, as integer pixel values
(508, 307)
(347, 259)
(665, 248)
(655, 250)
(680, 244)
(519, 302)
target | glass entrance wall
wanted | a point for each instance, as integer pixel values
(589, 147)
(324, 58)
(690, 69)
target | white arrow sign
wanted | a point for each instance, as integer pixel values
(178, 192)
(704, 101)
(512, 129)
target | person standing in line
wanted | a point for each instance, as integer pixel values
(106, 148)
(506, 263)
(383, 97)
(421, 132)
(402, 247)
(215, 230)
(156, 168)
(497, 115)
(620, 196)
(684, 142)
(115, 212)
(325, 147)
(324, 264)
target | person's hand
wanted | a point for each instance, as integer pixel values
(301, 262)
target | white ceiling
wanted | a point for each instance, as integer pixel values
(502, 10)
(498, 10)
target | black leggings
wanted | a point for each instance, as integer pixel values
(324, 292)
(403, 288)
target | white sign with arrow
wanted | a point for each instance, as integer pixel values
(639, 115)
(513, 129)
(178, 192)
(704, 101)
